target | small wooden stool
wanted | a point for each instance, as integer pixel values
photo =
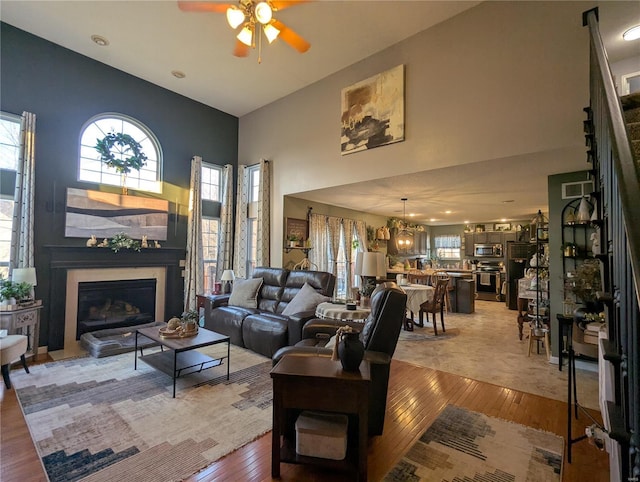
(544, 337)
(12, 347)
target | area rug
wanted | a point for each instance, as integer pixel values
(96, 419)
(465, 446)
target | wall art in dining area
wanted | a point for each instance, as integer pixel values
(373, 112)
(105, 214)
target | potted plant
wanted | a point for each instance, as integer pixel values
(190, 320)
(293, 240)
(8, 292)
(22, 291)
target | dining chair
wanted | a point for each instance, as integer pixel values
(436, 304)
(441, 275)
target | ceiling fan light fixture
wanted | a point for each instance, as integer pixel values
(263, 13)
(235, 16)
(270, 32)
(246, 35)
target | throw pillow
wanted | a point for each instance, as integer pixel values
(305, 300)
(245, 292)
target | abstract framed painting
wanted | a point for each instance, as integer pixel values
(373, 112)
(106, 214)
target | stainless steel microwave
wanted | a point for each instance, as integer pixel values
(487, 250)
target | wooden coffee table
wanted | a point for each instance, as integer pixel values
(181, 358)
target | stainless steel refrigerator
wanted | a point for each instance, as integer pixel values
(518, 256)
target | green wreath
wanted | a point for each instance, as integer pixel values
(129, 145)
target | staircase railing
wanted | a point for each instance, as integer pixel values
(617, 175)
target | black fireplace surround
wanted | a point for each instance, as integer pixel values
(63, 258)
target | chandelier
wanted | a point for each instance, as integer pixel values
(404, 238)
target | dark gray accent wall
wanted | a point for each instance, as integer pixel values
(65, 89)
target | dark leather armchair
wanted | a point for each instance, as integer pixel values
(379, 335)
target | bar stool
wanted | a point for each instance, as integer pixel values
(12, 347)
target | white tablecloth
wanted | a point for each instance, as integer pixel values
(335, 311)
(416, 295)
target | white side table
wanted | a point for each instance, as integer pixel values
(334, 311)
(23, 320)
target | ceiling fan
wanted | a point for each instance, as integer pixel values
(252, 16)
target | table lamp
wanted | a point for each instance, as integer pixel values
(370, 265)
(227, 277)
(25, 275)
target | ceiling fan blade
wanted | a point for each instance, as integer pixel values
(215, 7)
(241, 50)
(291, 37)
(281, 4)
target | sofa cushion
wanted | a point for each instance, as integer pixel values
(245, 292)
(305, 300)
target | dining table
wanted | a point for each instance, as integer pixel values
(416, 295)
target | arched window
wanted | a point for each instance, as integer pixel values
(92, 169)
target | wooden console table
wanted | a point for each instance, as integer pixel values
(23, 320)
(318, 383)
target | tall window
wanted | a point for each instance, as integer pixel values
(210, 182)
(252, 218)
(9, 155)
(448, 246)
(210, 230)
(92, 169)
(211, 197)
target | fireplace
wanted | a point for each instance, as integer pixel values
(69, 268)
(115, 304)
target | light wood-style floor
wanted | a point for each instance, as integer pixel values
(416, 396)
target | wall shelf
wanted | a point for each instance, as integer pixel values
(288, 249)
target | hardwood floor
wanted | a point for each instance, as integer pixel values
(416, 396)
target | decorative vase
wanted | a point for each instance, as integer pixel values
(350, 351)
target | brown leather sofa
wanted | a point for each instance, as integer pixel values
(379, 335)
(265, 329)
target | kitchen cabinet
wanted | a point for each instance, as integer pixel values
(494, 237)
(468, 244)
(509, 236)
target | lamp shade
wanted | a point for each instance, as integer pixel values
(24, 275)
(227, 275)
(370, 264)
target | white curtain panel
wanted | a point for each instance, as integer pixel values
(193, 273)
(361, 235)
(225, 236)
(319, 242)
(348, 229)
(21, 252)
(240, 242)
(263, 257)
(334, 225)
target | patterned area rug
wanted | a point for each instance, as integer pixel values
(96, 419)
(465, 446)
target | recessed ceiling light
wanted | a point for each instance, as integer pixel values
(503, 220)
(465, 222)
(432, 220)
(100, 40)
(508, 201)
(178, 74)
(411, 215)
(632, 34)
(447, 212)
